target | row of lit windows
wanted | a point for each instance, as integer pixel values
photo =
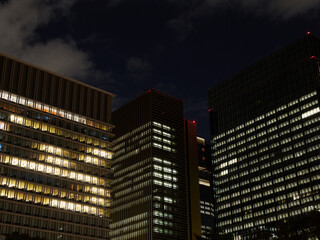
(164, 169)
(165, 184)
(128, 170)
(260, 142)
(266, 184)
(165, 199)
(52, 202)
(57, 171)
(273, 218)
(52, 110)
(240, 142)
(303, 194)
(268, 164)
(133, 132)
(43, 127)
(129, 228)
(23, 121)
(266, 115)
(165, 176)
(132, 153)
(38, 188)
(261, 150)
(159, 125)
(129, 220)
(132, 189)
(58, 151)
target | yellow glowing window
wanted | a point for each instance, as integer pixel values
(15, 161)
(10, 194)
(94, 190)
(44, 127)
(72, 175)
(54, 203)
(62, 204)
(86, 209)
(49, 169)
(48, 190)
(4, 181)
(41, 167)
(71, 206)
(46, 201)
(20, 196)
(37, 199)
(38, 188)
(94, 180)
(12, 183)
(64, 173)
(30, 187)
(28, 197)
(57, 171)
(78, 207)
(32, 165)
(3, 192)
(80, 176)
(63, 194)
(36, 125)
(101, 211)
(93, 210)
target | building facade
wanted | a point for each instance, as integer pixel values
(205, 186)
(55, 157)
(265, 133)
(150, 182)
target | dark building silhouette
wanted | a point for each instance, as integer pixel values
(206, 191)
(55, 158)
(265, 133)
(150, 187)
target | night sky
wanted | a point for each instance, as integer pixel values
(180, 47)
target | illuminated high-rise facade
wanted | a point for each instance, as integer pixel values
(150, 182)
(265, 124)
(55, 158)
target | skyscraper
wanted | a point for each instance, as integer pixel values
(206, 191)
(265, 132)
(55, 158)
(150, 181)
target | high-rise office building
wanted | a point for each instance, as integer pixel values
(193, 189)
(55, 158)
(265, 132)
(206, 191)
(150, 180)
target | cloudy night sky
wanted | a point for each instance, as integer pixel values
(180, 47)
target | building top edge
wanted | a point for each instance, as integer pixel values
(56, 74)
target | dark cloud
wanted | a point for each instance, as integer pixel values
(19, 20)
(136, 64)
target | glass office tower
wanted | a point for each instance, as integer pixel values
(55, 158)
(265, 124)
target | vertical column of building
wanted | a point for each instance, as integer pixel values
(132, 186)
(192, 179)
(55, 164)
(206, 193)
